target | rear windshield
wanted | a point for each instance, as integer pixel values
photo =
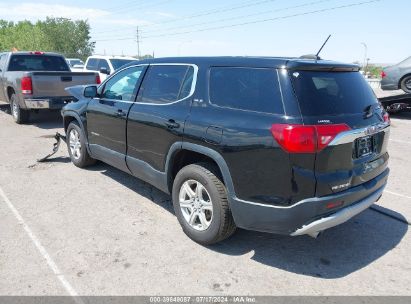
(332, 93)
(118, 63)
(37, 63)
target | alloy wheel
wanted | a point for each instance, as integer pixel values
(196, 205)
(75, 144)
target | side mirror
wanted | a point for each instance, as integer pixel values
(104, 71)
(90, 92)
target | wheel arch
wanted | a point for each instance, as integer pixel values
(182, 154)
(402, 78)
(70, 116)
(10, 91)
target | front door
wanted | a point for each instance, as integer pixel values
(156, 121)
(107, 116)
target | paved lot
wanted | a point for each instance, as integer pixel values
(64, 230)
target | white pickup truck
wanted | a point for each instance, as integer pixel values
(37, 80)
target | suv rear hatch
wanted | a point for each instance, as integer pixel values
(351, 127)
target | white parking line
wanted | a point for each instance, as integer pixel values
(400, 141)
(397, 194)
(41, 249)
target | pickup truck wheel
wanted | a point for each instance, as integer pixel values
(76, 145)
(406, 84)
(201, 204)
(20, 116)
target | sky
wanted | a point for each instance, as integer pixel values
(374, 29)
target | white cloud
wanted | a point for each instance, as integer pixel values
(35, 11)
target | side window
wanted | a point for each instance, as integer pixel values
(103, 64)
(166, 83)
(187, 84)
(122, 85)
(250, 89)
(92, 64)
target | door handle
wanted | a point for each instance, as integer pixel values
(120, 113)
(172, 124)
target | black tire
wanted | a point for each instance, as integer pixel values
(222, 223)
(19, 115)
(82, 159)
(405, 84)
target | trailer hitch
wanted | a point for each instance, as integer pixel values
(58, 137)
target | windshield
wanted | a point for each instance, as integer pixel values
(74, 62)
(37, 63)
(118, 63)
(332, 93)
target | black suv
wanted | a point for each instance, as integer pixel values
(282, 145)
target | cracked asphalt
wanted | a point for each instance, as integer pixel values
(108, 233)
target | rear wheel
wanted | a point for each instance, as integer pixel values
(76, 145)
(20, 115)
(201, 204)
(406, 84)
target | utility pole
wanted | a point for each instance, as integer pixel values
(365, 56)
(138, 43)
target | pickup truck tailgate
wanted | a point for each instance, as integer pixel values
(53, 84)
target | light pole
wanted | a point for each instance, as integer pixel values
(365, 56)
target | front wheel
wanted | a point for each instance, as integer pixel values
(201, 205)
(406, 84)
(20, 115)
(76, 145)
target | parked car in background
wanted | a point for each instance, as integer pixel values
(37, 80)
(397, 76)
(288, 146)
(75, 64)
(106, 65)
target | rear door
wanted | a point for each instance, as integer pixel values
(107, 116)
(343, 100)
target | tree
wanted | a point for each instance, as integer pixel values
(61, 35)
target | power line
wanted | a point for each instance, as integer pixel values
(265, 20)
(204, 13)
(243, 16)
(249, 22)
(216, 11)
(138, 43)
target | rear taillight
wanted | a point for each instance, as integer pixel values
(305, 138)
(383, 74)
(26, 85)
(98, 80)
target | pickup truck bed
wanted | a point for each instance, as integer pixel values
(49, 88)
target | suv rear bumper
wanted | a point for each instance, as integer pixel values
(308, 216)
